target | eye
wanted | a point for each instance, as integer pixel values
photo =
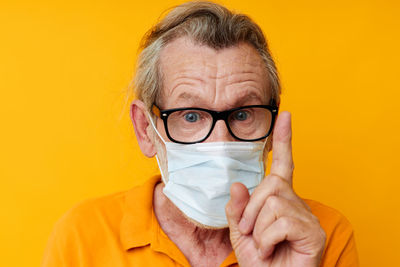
(192, 116)
(241, 115)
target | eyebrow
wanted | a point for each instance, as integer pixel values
(196, 100)
(190, 97)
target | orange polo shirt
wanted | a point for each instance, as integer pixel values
(121, 230)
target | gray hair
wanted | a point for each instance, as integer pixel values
(206, 23)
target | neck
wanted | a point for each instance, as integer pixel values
(187, 235)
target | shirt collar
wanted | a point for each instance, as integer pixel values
(136, 224)
(139, 227)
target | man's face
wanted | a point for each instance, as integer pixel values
(199, 76)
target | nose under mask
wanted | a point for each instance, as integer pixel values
(199, 176)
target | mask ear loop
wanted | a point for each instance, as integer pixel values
(265, 142)
(163, 177)
(154, 127)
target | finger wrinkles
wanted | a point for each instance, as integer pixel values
(275, 234)
(271, 185)
(264, 219)
(291, 208)
(284, 207)
(276, 184)
(301, 236)
(283, 166)
(285, 223)
(275, 204)
(276, 207)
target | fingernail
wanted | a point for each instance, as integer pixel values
(243, 226)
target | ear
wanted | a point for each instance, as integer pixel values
(141, 124)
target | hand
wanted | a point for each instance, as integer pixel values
(274, 227)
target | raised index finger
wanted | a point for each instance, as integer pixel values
(282, 160)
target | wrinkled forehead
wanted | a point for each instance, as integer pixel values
(188, 67)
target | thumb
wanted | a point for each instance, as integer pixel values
(234, 209)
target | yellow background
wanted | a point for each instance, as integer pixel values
(66, 135)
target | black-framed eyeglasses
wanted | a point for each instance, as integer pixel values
(194, 125)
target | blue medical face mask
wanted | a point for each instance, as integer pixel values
(199, 176)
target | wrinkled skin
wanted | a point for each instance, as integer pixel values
(273, 227)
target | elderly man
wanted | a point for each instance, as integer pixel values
(207, 103)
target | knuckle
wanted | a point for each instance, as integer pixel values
(275, 179)
(273, 202)
(285, 222)
(260, 189)
(275, 182)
